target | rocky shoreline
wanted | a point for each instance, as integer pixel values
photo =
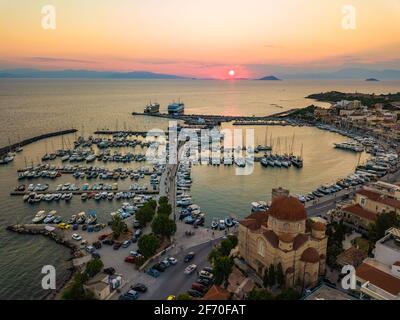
(75, 251)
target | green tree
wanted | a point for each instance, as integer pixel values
(118, 226)
(280, 277)
(213, 255)
(233, 239)
(145, 215)
(222, 268)
(93, 267)
(163, 200)
(271, 275)
(148, 244)
(265, 278)
(384, 221)
(165, 209)
(259, 294)
(152, 204)
(225, 247)
(76, 291)
(163, 226)
(289, 294)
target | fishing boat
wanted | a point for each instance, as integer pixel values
(189, 220)
(92, 219)
(221, 225)
(258, 206)
(84, 196)
(81, 218)
(229, 222)
(214, 223)
(39, 217)
(264, 162)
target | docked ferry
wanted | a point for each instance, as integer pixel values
(152, 108)
(176, 108)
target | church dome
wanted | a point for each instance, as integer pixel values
(287, 208)
(310, 255)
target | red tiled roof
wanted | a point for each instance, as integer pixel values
(310, 255)
(361, 212)
(319, 226)
(377, 197)
(287, 208)
(255, 220)
(216, 293)
(299, 240)
(377, 277)
(272, 238)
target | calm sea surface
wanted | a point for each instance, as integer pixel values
(32, 107)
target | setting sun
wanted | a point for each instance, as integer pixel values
(232, 73)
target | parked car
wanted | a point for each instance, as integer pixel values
(95, 255)
(90, 249)
(204, 282)
(172, 260)
(97, 244)
(117, 245)
(130, 295)
(159, 267)
(189, 256)
(136, 224)
(208, 269)
(139, 287)
(138, 233)
(126, 244)
(76, 237)
(108, 242)
(103, 236)
(110, 271)
(205, 274)
(195, 293)
(129, 259)
(199, 287)
(134, 239)
(190, 269)
(153, 272)
(166, 263)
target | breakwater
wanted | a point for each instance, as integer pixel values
(25, 142)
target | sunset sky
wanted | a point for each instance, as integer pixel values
(204, 38)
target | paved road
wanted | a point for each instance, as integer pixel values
(173, 281)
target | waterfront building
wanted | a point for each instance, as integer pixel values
(378, 278)
(369, 203)
(283, 235)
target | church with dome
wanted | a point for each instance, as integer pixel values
(282, 234)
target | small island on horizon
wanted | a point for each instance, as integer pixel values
(270, 78)
(372, 79)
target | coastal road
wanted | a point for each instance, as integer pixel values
(322, 205)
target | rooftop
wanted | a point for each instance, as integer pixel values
(325, 292)
(377, 197)
(359, 211)
(379, 278)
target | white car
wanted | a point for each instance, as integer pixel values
(76, 237)
(205, 274)
(172, 260)
(190, 269)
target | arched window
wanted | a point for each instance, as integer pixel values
(261, 248)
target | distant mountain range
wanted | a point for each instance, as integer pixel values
(270, 78)
(33, 73)
(347, 74)
(343, 74)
